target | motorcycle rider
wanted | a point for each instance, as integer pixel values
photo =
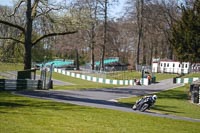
(152, 98)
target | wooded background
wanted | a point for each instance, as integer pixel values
(85, 31)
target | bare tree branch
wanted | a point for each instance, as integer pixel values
(15, 10)
(34, 8)
(11, 38)
(47, 11)
(52, 34)
(12, 25)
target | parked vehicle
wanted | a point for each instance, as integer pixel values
(144, 103)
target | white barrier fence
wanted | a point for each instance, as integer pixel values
(99, 80)
(186, 80)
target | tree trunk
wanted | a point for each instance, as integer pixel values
(28, 39)
(92, 46)
(170, 55)
(92, 56)
(140, 4)
(145, 54)
(105, 35)
(77, 60)
(102, 58)
(151, 57)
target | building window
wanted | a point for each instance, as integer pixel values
(161, 64)
(167, 64)
(164, 64)
(173, 65)
(185, 65)
(179, 65)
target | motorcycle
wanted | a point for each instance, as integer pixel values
(144, 103)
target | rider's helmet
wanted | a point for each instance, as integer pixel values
(154, 97)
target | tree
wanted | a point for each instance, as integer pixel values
(105, 4)
(34, 11)
(10, 51)
(90, 10)
(171, 14)
(151, 21)
(95, 13)
(186, 34)
(140, 9)
(105, 8)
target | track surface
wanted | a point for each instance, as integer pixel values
(106, 98)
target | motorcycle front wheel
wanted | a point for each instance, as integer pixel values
(134, 107)
(144, 107)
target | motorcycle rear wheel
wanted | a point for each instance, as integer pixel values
(144, 107)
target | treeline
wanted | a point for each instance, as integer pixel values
(85, 31)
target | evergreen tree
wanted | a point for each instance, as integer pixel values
(186, 34)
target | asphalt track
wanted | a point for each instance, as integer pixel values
(107, 98)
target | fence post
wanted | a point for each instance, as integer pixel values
(174, 80)
(2, 84)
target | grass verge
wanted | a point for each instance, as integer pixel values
(163, 76)
(28, 115)
(128, 75)
(191, 75)
(10, 66)
(78, 83)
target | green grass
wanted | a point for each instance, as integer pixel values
(126, 75)
(173, 101)
(119, 75)
(10, 66)
(132, 75)
(191, 75)
(78, 83)
(163, 76)
(27, 115)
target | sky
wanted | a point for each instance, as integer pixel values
(5, 2)
(115, 10)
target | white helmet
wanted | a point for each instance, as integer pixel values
(154, 97)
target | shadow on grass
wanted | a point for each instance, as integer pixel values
(11, 104)
(158, 108)
(166, 109)
(174, 94)
(39, 105)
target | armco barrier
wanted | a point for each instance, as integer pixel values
(20, 84)
(186, 80)
(95, 79)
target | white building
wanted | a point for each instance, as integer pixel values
(170, 66)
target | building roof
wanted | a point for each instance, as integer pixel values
(168, 60)
(164, 60)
